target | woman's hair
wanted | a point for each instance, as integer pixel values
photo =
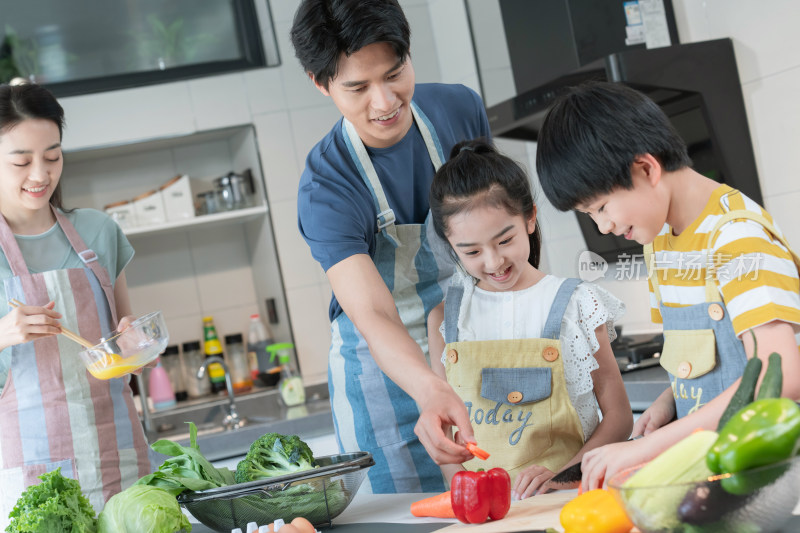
(30, 101)
(477, 174)
(323, 30)
(591, 136)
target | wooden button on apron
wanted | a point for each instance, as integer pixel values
(716, 312)
(514, 397)
(550, 354)
(452, 356)
(684, 369)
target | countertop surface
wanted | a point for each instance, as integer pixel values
(389, 513)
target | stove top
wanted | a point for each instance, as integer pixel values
(637, 351)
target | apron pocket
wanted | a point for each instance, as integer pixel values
(689, 353)
(14, 480)
(516, 386)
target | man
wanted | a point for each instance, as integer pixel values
(363, 210)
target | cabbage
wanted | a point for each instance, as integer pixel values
(142, 509)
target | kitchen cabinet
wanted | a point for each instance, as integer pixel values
(224, 264)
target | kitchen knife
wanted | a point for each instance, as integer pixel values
(573, 473)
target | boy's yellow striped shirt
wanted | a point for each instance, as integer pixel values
(757, 277)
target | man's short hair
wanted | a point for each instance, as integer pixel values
(325, 29)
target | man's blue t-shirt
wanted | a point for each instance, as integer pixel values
(336, 213)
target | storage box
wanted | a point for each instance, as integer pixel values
(177, 197)
(149, 208)
(123, 213)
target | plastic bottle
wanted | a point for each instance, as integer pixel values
(193, 359)
(237, 359)
(259, 337)
(211, 347)
(160, 388)
(172, 364)
(291, 386)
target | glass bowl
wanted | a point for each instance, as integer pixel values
(133, 348)
(753, 501)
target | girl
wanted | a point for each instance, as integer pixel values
(529, 353)
(66, 267)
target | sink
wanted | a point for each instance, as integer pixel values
(261, 413)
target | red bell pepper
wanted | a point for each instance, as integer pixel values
(478, 496)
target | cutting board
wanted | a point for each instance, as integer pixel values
(539, 512)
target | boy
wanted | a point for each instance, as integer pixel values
(362, 208)
(609, 151)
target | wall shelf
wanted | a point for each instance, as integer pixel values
(239, 215)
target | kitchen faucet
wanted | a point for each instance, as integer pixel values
(232, 420)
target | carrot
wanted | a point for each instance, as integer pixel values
(477, 452)
(438, 506)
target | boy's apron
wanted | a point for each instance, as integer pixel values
(53, 413)
(702, 353)
(370, 412)
(515, 391)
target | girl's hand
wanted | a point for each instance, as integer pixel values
(529, 481)
(27, 323)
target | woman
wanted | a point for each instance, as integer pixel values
(66, 267)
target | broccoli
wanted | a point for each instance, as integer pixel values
(273, 455)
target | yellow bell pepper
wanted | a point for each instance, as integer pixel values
(595, 511)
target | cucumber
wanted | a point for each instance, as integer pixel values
(772, 384)
(746, 391)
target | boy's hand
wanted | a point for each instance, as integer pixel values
(659, 414)
(529, 481)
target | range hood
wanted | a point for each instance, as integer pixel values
(697, 86)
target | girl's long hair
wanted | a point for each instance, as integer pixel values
(477, 174)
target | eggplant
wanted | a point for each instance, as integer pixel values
(707, 503)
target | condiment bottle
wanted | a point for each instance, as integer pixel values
(160, 388)
(237, 359)
(193, 359)
(212, 347)
(172, 364)
(291, 386)
(259, 337)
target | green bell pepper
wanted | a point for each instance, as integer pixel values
(762, 433)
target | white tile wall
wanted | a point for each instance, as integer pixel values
(219, 101)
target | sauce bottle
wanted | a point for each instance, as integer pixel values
(291, 385)
(211, 347)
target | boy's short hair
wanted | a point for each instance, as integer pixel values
(591, 136)
(324, 29)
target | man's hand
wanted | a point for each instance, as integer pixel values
(442, 409)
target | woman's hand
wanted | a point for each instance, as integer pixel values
(125, 322)
(28, 323)
(530, 481)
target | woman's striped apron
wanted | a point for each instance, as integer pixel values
(53, 413)
(370, 412)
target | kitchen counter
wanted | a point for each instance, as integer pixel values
(389, 513)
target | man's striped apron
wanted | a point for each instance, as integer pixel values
(371, 413)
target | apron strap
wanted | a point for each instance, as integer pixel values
(552, 326)
(452, 306)
(89, 258)
(360, 156)
(11, 249)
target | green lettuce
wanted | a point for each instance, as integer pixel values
(142, 509)
(55, 504)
